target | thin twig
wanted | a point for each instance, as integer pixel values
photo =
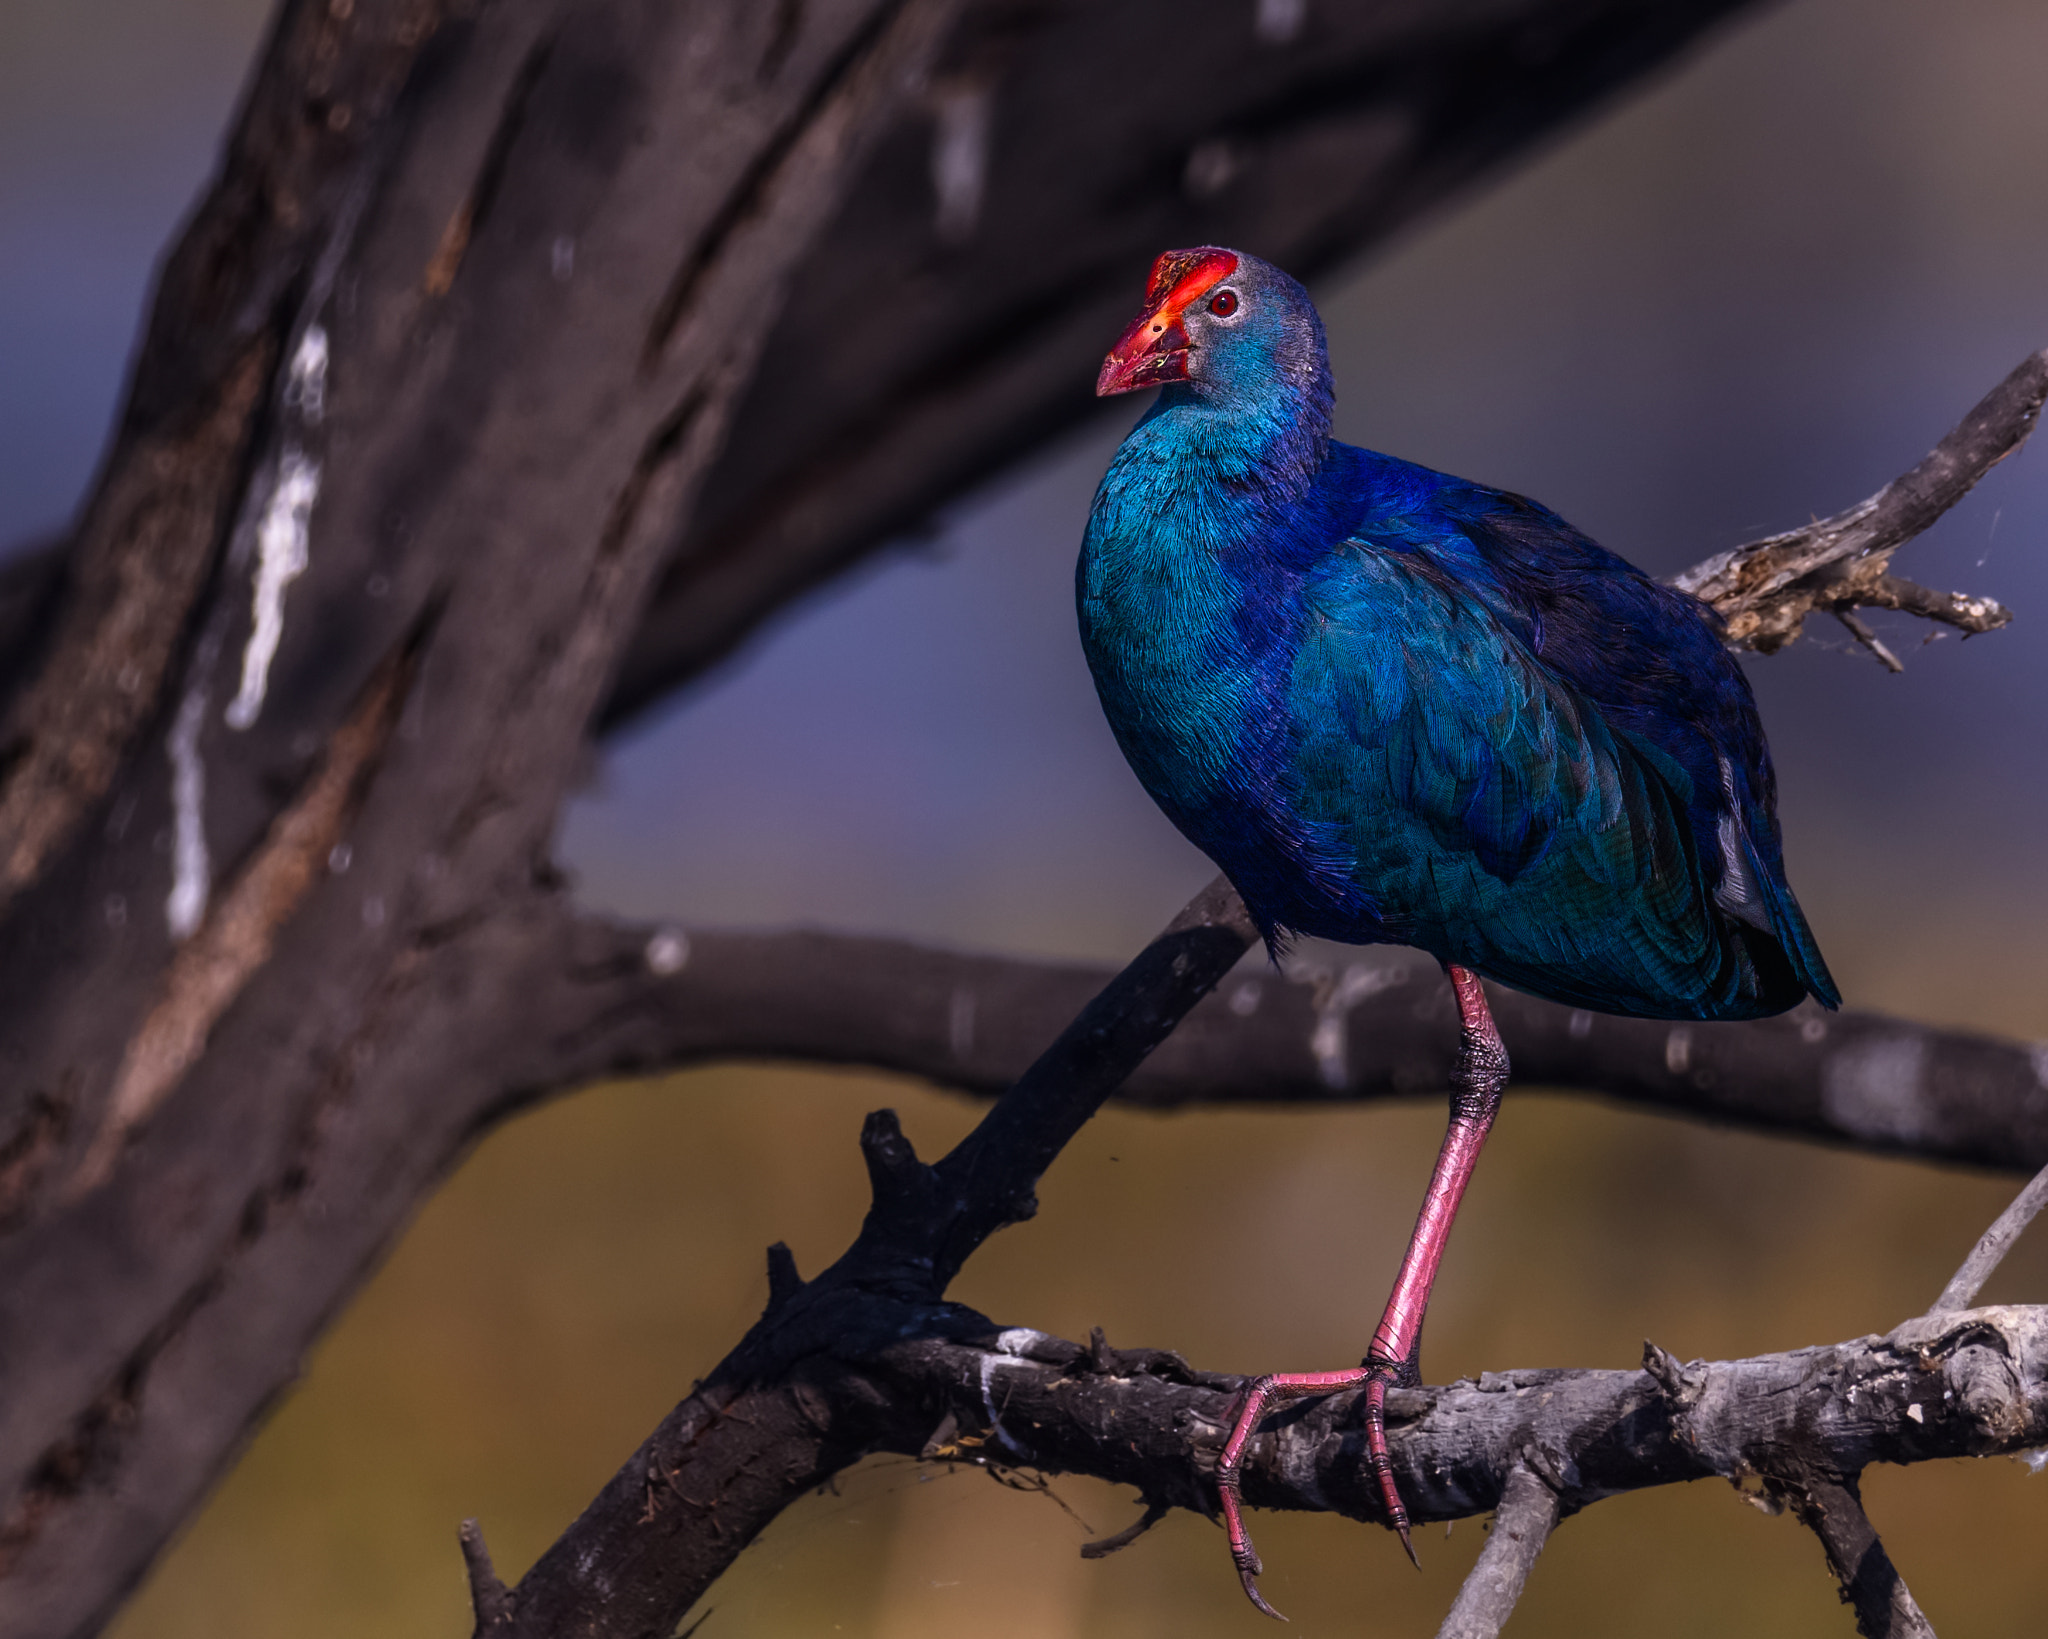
(1988, 1253)
(1859, 628)
(1528, 1513)
(1105, 1546)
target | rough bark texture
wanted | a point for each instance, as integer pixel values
(406, 497)
(512, 315)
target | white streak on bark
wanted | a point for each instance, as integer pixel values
(191, 868)
(1278, 21)
(961, 112)
(1874, 1088)
(282, 554)
(668, 952)
(305, 384)
(1335, 997)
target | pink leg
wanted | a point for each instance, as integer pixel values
(1477, 1082)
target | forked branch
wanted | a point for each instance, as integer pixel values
(1765, 590)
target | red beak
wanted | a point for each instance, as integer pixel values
(1155, 348)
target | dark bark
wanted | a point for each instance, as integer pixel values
(214, 1139)
(1365, 1025)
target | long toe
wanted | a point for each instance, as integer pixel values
(1381, 1460)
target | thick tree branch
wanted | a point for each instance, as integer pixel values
(1000, 299)
(1972, 1384)
(629, 1566)
(1364, 1026)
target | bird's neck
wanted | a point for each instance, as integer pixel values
(1234, 475)
(1272, 442)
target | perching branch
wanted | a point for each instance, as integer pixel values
(1974, 1384)
(1765, 590)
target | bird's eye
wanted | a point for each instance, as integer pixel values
(1223, 303)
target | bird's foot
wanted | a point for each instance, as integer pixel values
(1262, 1393)
(1257, 1395)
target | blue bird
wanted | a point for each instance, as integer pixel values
(1398, 707)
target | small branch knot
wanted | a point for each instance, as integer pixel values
(1683, 1385)
(783, 1280)
(894, 1170)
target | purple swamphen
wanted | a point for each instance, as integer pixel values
(1398, 707)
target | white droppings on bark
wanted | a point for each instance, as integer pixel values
(1874, 1089)
(667, 952)
(1279, 21)
(1678, 1050)
(1580, 1025)
(2036, 1460)
(282, 554)
(191, 867)
(962, 111)
(1335, 996)
(1017, 1341)
(1913, 1411)
(305, 383)
(960, 1022)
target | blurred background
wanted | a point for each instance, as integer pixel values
(1751, 292)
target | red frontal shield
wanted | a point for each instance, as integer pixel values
(1155, 348)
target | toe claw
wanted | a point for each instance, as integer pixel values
(1247, 1574)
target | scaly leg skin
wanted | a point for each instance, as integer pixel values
(1478, 1080)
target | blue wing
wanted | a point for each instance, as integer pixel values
(1566, 784)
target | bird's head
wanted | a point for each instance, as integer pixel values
(1230, 326)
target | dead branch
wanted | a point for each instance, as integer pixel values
(1528, 1513)
(1990, 1252)
(1765, 590)
(1831, 1506)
